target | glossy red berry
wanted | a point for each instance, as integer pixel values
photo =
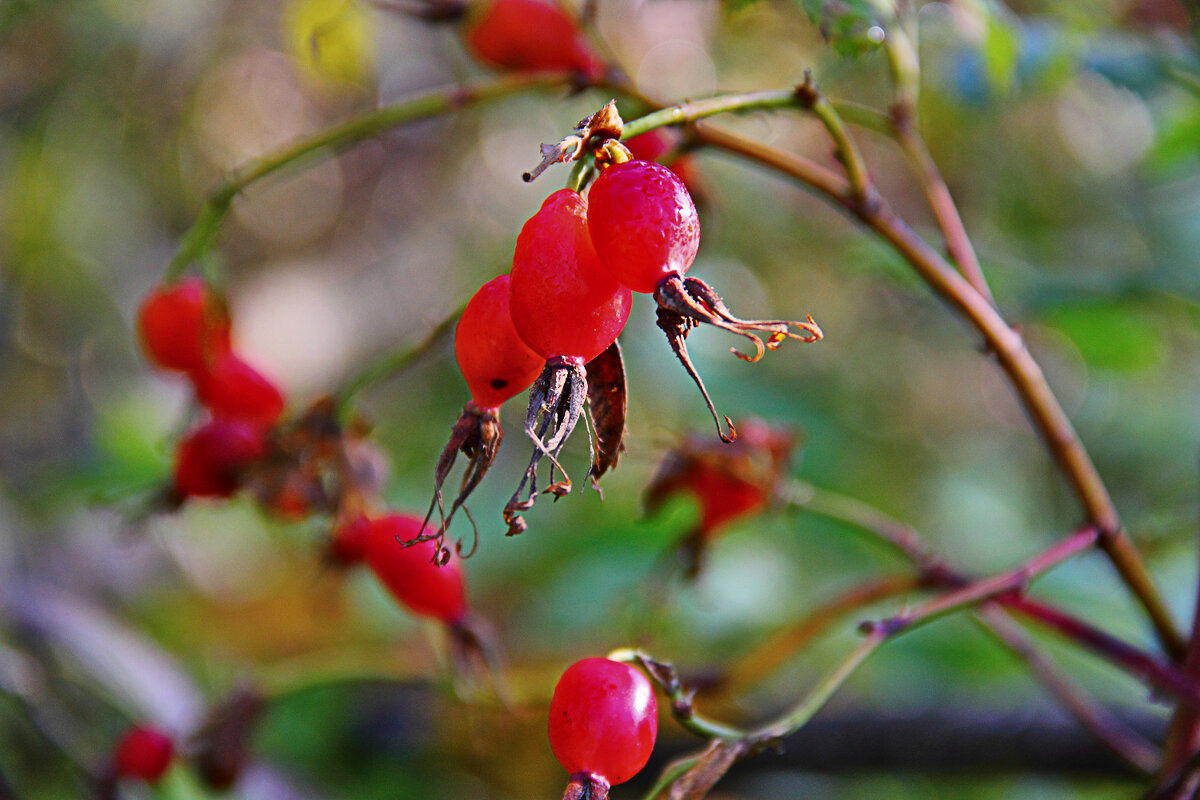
(529, 35)
(143, 753)
(603, 720)
(409, 572)
(563, 301)
(232, 389)
(183, 326)
(210, 461)
(643, 223)
(496, 363)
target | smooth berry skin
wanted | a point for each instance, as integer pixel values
(495, 362)
(183, 326)
(143, 753)
(603, 720)
(348, 544)
(232, 389)
(409, 573)
(643, 223)
(563, 301)
(528, 36)
(210, 460)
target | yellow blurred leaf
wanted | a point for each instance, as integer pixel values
(331, 39)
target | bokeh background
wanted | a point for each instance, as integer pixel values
(1070, 135)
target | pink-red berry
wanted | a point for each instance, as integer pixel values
(183, 326)
(348, 544)
(603, 720)
(410, 573)
(210, 461)
(643, 223)
(232, 389)
(563, 301)
(529, 35)
(496, 363)
(143, 753)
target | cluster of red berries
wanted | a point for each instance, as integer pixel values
(575, 266)
(185, 327)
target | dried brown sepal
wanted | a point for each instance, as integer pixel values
(477, 435)
(716, 760)
(221, 748)
(590, 135)
(684, 303)
(313, 464)
(608, 403)
(586, 786)
(557, 397)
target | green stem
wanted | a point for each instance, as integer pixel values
(393, 363)
(722, 104)
(200, 237)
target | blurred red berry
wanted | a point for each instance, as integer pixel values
(210, 461)
(643, 223)
(603, 722)
(143, 753)
(496, 363)
(183, 326)
(348, 543)
(410, 573)
(529, 35)
(563, 301)
(232, 389)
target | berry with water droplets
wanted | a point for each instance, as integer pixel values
(643, 223)
(183, 326)
(603, 722)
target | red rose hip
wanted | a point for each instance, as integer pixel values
(563, 300)
(603, 722)
(643, 223)
(143, 753)
(497, 365)
(232, 389)
(529, 35)
(569, 310)
(183, 326)
(410, 573)
(210, 460)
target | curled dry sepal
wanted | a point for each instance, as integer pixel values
(590, 134)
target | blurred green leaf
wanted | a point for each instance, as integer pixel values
(852, 27)
(1111, 336)
(1001, 50)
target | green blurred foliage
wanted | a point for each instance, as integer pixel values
(1069, 134)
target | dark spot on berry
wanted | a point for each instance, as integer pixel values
(498, 383)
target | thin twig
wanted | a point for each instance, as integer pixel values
(199, 238)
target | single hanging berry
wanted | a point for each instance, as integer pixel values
(528, 36)
(497, 365)
(211, 461)
(144, 753)
(414, 573)
(603, 722)
(569, 310)
(644, 226)
(183, 326)
(232, 389)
